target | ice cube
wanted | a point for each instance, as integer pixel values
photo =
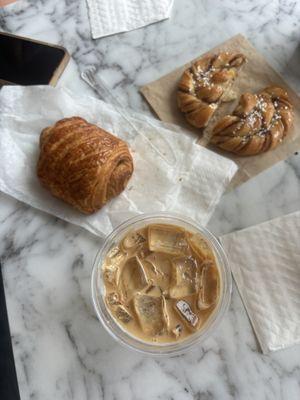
(167, 239)
(110, 273)
(149, 310)
(112, 266)
(158, 267)
(113, 299)
(133, 240)
(186, 313)
(132, 279)
(166, 312)
(123, 314)
(173, 324)
(115, 256)
(200, 247)
(177, 330)
(184, 277)
(209, 286)
(113, 253)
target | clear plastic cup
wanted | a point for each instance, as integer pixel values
(117, 331)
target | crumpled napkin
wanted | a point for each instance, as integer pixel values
(181, 177)
(108, 17)
(265, 261)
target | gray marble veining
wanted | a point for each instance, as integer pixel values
(61, 350)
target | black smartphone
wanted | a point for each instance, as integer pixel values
(9, 389)
(25, 61)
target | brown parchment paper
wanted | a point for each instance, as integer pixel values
(255, 75)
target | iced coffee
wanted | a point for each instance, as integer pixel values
(161, 283)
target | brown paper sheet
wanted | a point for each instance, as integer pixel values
(256, 74)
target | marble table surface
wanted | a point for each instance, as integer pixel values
(61, 351)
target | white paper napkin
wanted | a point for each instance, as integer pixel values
(265, 261)
(192, 185)
(113, 16)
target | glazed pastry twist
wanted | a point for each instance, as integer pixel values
(258, 124)
(205, 84)
(82, 164)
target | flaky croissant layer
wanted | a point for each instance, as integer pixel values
(83, 164)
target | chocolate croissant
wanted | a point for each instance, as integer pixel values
(205, 84)
(82, 164)
(258, 124)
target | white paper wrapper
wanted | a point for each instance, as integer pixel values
(192, 185)
(265, 261)
(113, 16)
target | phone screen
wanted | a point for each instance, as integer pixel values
(24, 62)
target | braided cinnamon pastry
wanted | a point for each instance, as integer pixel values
(82, 164)
(258, 124)
(205, 84)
